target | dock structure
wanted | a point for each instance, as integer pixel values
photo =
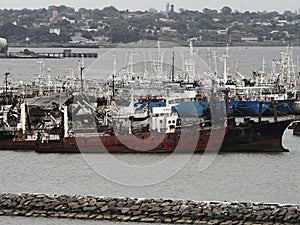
(67, 55)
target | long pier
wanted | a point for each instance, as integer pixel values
(58, 55)
(67, 55)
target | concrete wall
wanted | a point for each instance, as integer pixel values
(147, 210)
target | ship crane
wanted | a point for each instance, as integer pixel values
(237, 72)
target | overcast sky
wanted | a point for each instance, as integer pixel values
(240, 5)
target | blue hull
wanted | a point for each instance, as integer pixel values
(192, 109)
(284, 107)
(246, 107)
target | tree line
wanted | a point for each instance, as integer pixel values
(122, 26)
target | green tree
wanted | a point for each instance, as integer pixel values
(110, 12)
(226, 10)
(118, 31)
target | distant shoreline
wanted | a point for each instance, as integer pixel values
(136, 45)
(195, 44)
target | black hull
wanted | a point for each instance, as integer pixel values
(261, 137)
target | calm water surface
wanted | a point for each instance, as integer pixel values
(266, 177)
(262, 177)
(248, 59)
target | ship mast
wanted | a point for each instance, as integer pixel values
(190, 64)
(113, 76)
(81, 75)
(158, 63)
(49, 81)
(225, 57)
(173, 67)
(40, 78)
(6, 82)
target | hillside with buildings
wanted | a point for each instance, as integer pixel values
(62, 25)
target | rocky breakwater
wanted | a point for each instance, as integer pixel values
(147, 210)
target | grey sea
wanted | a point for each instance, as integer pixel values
(256, 177)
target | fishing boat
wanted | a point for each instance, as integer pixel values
(167, 133)
(252, 137)
(76, 127)
(279, 85)
(22, 121)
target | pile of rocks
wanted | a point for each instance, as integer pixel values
(147, 210)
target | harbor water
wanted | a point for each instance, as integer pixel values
(256, 177)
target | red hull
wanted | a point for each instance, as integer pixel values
(181, 141)
(8, 144)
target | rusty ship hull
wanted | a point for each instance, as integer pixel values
(17, 145)
(10, 141)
